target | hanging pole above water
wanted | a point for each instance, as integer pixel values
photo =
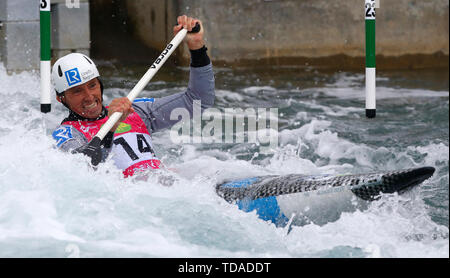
(45, 67)
(371, 109)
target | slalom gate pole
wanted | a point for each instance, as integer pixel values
(370, 58)
(45, 66)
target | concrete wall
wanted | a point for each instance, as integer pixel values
(255, 30)
(153, 21)
(410, 33)
(19, 44)
(70, 27)
(20, 31)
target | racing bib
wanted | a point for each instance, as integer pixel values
(133, 151)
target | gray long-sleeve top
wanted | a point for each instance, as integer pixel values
(156, 114)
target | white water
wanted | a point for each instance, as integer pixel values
(52, 204)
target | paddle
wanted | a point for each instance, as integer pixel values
(93, 148)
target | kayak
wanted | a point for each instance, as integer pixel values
(301, 199)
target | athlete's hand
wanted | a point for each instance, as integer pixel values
(193, 40)
(123, 105)
(90, 151)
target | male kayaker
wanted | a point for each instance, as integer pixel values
(78, 87)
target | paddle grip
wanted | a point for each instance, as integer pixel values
(196, 28)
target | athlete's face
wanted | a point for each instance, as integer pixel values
(85, 99)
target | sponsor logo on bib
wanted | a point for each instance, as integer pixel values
(123, 127)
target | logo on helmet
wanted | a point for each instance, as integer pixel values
(72, 76)
(88, 75)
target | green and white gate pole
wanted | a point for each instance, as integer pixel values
(45, 66)
(370, 59)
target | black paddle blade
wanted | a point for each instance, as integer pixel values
(92, 149)
(395, 181)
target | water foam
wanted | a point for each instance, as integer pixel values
(52, 204)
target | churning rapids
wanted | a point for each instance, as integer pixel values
(52, 204)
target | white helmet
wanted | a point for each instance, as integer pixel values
(72, 70)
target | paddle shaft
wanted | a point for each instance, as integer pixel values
(144, 81)
(93, 148)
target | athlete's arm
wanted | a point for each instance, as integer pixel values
(69, 139)
(156, 112)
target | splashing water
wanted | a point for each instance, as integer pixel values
(52, 204)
